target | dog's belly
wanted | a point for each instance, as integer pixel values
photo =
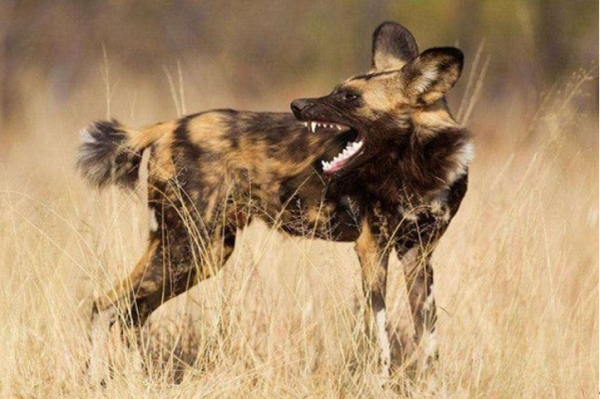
(310, 208)
(327, 221)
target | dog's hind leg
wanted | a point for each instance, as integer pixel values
(373, 256)
(115, 303)
(163, 272)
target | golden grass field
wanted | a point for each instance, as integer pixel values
(516, 282)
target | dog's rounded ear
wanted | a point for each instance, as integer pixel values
(432, 74)
(393, 47)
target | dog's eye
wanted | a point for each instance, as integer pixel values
(348, 96)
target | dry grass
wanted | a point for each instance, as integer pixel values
(517, 281)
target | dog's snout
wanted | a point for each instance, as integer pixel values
(298, 106)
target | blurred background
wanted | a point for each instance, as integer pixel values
(516, 273)
(262, 54)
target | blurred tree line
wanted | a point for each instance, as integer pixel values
(266, 44)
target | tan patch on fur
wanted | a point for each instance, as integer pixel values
(368, 252)
(317, 218)
(385, 62)
(161, 165)
(376, 100)
(436, 118)
(380, 94)
(207, 131)
(253, 155)
(150, 134)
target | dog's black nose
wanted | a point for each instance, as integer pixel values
(298, 106)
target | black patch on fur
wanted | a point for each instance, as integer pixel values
(187, 156)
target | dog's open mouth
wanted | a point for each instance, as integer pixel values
(352, 144)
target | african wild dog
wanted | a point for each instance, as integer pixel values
(379, 161)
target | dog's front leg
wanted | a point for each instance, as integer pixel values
(373, 255)
(418, 272)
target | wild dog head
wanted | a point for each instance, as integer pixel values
(400, 99)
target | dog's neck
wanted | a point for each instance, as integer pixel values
(412, 168)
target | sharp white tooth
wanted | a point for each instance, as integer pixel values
(338, 127)
(313, 126)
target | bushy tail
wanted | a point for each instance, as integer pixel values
(110, 154)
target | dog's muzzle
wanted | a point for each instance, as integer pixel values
(300, 107)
